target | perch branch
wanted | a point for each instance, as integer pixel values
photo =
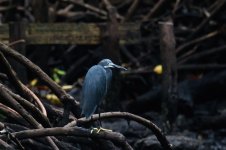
(128, 116)
(73, 131)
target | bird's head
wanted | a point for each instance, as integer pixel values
(107, 63)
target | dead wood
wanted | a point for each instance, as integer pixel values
(157, 131)
(169, 63)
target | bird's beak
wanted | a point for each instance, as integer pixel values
(112, 65)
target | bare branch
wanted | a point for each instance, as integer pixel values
(4, 94)
(219, 5)
(74, 131)
(61, 94)
(152, 11)
(21, 87)
(31, 107)
(4, 145)
(131, 10)
(128, 116)
(200, 39)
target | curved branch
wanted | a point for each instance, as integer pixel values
(6, 96)
(11, 113)
(36, 99)
(9, 110)
(21, 87)
(12, 74)
(61, 94)
(128, 116)
(16, 42)
(73, 131)
(3, 76)
(4, 145)
(31, 107)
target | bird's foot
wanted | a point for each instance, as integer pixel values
(97, 130)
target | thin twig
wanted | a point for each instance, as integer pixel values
(154, 10)
(87, 6)
(201, 54)
(197, 40)
(126, 52)
(202, 67)
(131, 10)
(16, 42)
(175, 7)
(220, 4)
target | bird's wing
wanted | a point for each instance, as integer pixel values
(94, 89)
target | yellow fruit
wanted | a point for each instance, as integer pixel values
(158, 69)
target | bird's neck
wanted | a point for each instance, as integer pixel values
(109, 76)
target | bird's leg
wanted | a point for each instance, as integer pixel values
(100, 124)
(97, 130)
(91, 118)
(93, 129)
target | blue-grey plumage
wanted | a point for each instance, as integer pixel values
(96, 84)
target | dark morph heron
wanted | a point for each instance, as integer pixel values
(96, 84)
